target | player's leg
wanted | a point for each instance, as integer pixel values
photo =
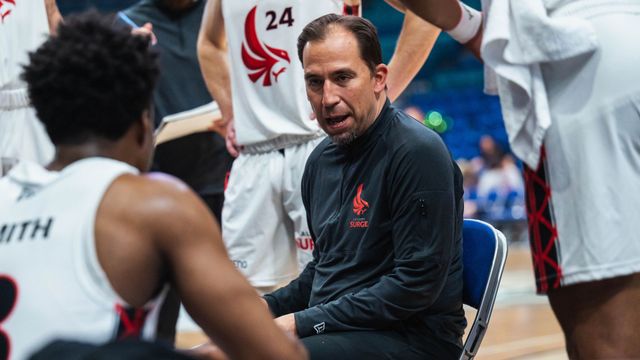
(295, 160)
(600, 319)
(252, 221)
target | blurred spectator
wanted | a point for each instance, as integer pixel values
(415, 112)
(470, 186)
(500, 183)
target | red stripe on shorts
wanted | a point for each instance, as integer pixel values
(543, 234)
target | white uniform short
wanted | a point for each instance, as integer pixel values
(584, 200)
(263, 217)
(23, 28)
(22, 135)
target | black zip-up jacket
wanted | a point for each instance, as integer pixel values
(385, 213)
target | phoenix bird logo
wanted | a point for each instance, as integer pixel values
(359, 204)
(260, 62)
(5, 8)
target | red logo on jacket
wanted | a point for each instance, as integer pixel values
(360, 206)
(5, 8)
(260, 62)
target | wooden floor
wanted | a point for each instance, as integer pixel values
(522, 325)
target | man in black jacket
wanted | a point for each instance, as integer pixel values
(384, 205)
(201, 159)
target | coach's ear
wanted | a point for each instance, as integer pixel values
(380, 78)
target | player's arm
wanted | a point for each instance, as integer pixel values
(212, 55)
(441, 13)
(53, 15)
(415, 42)
(214, 293)
(448, 16)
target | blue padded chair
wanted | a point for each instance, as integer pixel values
(484, 256)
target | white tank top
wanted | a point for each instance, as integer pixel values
(270, 104)
(23, 27)
(51, 283)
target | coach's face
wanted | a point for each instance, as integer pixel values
(344, 93)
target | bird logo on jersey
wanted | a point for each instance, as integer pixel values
(5, 8)
(359, 204)
(262, 59)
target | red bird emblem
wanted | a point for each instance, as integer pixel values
(261, 62)
(359, 204)
(5, 8)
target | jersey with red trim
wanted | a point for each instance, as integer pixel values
(23, 27)
(267, 80)
(51, 283)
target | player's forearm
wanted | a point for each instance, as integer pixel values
(260, 337)
(215, 70)
(415, 43)
(53, 15)
(444, 14)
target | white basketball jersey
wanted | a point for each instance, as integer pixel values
(51, 283)
(23, 27)
(267, 79)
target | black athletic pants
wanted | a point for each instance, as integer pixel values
(373, 345)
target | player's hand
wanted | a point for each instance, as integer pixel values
(288, 324)
(220, 126)
(206, 351)
(146, 30)
(230, 138)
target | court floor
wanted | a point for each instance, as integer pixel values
(522, 325)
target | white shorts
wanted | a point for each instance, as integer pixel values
(584, 200)
(264, 224)
(22, 135)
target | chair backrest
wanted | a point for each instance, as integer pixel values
(484, 256)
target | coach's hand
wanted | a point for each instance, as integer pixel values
(288, 324)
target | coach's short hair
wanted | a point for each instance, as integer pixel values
(363, 30)
(93, 79)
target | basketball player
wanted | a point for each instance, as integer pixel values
(580, 141)
(260, 90)
(24, 25)
(88, 243)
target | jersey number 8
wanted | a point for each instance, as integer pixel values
(8, 297)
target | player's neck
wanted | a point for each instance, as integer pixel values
(68, 154)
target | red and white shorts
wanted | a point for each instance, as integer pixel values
(583, 201)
